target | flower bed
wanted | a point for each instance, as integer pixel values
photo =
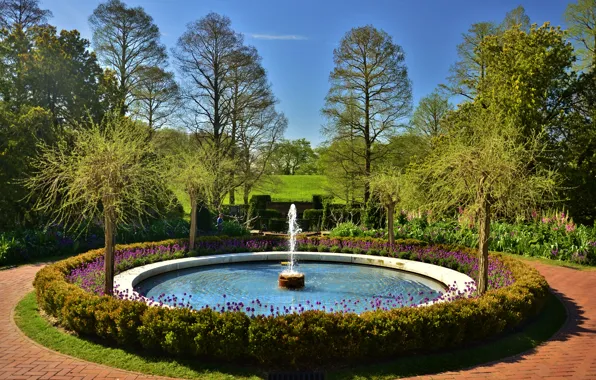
(302, 340)
(553, 237)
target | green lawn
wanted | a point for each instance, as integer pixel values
(291, 188)
(37, 328)
(282, 188)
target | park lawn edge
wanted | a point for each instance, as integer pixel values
(532, 334)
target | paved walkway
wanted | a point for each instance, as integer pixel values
(569, 354)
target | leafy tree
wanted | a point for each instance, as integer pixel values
(194, 170)
(126, 40)
(289, 155)
(428, 115)
(388, 186)
(63, 75)
(581, 21)
(573, 144)
(371, 75)
(404, 150)
(484, 164)
(344, 169)
(19, 133)
(156, 96)
(106, 173)
(17, 19)
(527, 76)
(470, 69)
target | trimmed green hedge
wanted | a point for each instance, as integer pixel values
(308, 340)
(314, 218)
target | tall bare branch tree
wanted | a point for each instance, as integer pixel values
(257, 137)
(250, 100)
(156, 96)
(427, 117)
(204, 57)
(126, 40)
(22, 14)
(581, 19)
(370, 74)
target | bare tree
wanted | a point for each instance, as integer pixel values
(471, 67)
(204, 56)
(581, 19)
(371, 74)
(126, 40)
(258, 135)
(156, 96)
(22, 14)
(250, 100)
(427, 117)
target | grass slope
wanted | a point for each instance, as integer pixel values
(291, 188)
(37, 328)
(282, 188)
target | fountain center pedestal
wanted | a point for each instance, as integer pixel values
(291, 280)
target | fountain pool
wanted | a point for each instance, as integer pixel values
(252, 287)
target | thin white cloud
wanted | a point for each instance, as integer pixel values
(286, 37)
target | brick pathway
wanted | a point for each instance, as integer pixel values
(570, 354)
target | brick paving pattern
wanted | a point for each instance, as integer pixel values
(569, 354)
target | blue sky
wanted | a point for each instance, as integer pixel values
(296, 38)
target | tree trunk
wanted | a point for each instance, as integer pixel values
(246, 193)
(193, 222)
(390, 232)
(484, 234)
(109, 253)
(232, 194)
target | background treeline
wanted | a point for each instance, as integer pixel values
(208, 107)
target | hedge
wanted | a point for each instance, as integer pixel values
(314, 218)
(312, 339)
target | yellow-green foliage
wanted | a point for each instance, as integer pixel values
(308, 340)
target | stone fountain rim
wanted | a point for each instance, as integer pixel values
(127, 280)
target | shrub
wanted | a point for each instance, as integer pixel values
(205, 218)
(375, 215)
(233, 228)
(317, 202)
(260, 201)
(278, 225)
(314, 218)
(346, 229)
(302, 340)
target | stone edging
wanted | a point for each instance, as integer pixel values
(451, 279)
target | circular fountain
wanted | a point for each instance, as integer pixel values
(246, 281)
(290, 278)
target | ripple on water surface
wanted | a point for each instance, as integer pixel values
(252, 287)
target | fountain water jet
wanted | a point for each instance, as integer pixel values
(290, 278)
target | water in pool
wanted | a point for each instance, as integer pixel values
(252, 288)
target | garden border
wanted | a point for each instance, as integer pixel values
(312, 339)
